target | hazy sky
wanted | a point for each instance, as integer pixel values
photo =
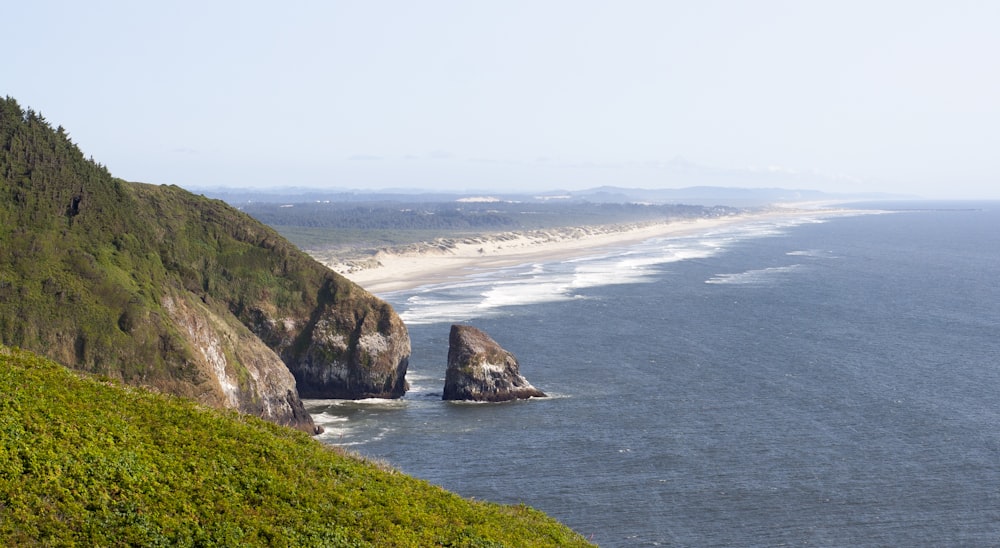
(899, 96)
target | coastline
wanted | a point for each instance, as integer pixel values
(448, 259)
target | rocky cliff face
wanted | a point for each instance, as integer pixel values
(338, 340)
(237, 370)
(352, 346)
(158, 287)
(479, 369)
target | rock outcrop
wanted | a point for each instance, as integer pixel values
(237, 370)
(479, 369)
(354, 346)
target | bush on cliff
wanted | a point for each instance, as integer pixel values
(88, 461)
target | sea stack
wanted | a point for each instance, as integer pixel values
(479, 369)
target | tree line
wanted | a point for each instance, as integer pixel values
(451, 216)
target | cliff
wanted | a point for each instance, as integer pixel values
(158, 287)
(479, 369)
(338, 340)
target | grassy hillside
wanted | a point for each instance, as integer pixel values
(91, 462)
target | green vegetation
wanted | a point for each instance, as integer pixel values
(463, 217)
(85, 259)
(87, 262)
(86, 461)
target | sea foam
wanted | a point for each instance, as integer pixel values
(486, 292)
(757, 276)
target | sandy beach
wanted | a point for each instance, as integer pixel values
(448, 259)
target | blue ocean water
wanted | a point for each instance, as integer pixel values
(815, 381)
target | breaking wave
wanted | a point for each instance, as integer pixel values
(758, 276)
(486, 293)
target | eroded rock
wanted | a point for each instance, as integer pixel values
(235, 369)
(479, 369)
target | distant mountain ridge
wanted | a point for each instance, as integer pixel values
(159, 287)
(694, 195)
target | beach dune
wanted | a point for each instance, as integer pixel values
(447, 259)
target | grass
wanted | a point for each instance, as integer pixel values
(86, 461)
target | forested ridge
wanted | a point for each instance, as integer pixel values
(86, 258)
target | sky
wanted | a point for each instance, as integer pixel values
(844, 96)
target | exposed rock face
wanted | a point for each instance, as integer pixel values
(353, 347)
(237, 370)
(479, 369)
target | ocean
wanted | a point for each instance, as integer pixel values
(826, 380)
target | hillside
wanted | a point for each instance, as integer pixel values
(158, 287)
(91, 462)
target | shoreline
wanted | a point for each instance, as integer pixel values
(448, 259)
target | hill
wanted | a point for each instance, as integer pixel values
(86, 461)
(158, 287)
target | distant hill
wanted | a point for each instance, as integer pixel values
(91, 463)
(708, 196)
(159, 287)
